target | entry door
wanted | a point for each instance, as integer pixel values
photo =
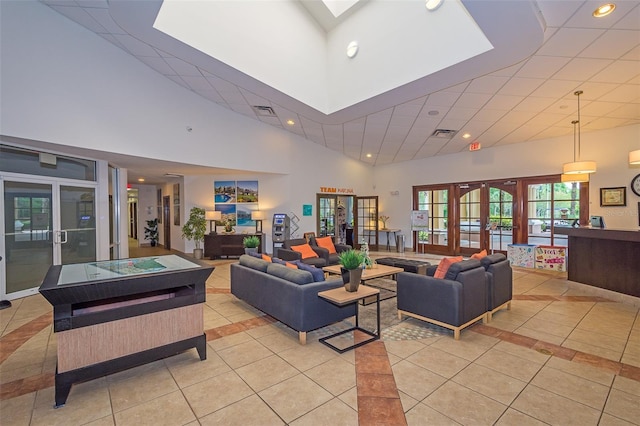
(366, 222)
(45, 223)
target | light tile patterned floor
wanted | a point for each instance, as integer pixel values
(562, 355)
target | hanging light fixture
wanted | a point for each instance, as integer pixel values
(574, 177)
(577, 166)
(634, 157)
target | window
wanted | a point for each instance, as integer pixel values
(551, 205)
(436, 202)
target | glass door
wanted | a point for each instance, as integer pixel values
(45, 224)
(366, 222)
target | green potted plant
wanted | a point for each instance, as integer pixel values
(351, 262)
(151, 231)
(251, 243)
(194, 229)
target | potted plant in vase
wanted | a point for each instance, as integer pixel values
(151, 231)
(251, 244)
(351, 261)
(194, 229)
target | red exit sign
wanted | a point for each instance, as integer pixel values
(474, 146)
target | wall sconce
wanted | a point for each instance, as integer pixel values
(257, 216)
(212, 216)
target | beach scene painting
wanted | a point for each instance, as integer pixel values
(247, 191)
(228, 212)
(243, 214)
(224, 191)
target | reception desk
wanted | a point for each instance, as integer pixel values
(605, 258)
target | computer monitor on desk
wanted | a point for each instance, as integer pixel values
(597, 222)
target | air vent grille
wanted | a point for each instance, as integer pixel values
(444, 133)
(264, 111)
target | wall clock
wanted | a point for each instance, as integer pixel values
(635, 185)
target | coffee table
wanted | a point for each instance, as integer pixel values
(378, 271)
(341, 297)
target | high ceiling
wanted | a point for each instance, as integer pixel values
(520, 90)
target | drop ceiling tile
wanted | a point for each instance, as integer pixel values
(557, 12)
(504, 102)
(243, 109)
(252, 98)
(630, 111)
(157, 64)
(81, 17)
(569, 42)
(472, 100)
(612, 45)
(540, 66)
(211, 94)
(631, 20)
(236, 98)
(618, 72)
(396, 134)
(488, 84)
(223, 86)
(380, 118)
(70, 3)
(103, 17)
(622, 94)
(111, 39)
(409, 109)
(584, 18)
(197, 83)
(274, 121)
(135, 46)
(508, 71)
(401, 120)
(177, 79)
(461, 114)
(534, 104)
(103, 4)
(555, 88)
(440, 99)
(520, 86)
(181, 67)
(581, 69)
(602, 123)
(600, 108)
(489, 115)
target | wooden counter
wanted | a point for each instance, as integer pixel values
(605, 258)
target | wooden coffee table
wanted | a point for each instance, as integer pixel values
(341, 297)
(378, 271)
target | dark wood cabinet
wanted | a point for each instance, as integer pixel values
(218, 245)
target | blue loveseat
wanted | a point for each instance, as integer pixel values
(288, 295)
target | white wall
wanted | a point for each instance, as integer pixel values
(146, 209)
(609, 148)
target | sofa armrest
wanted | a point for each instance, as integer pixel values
(431, 270)
(322, 253)
(342, 247)
(290, 255)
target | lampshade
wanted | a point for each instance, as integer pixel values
(579, 167)
(634, 157)
(257, 215)
(576, 177)
(212, 215)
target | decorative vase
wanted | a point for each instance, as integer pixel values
(198, 253)
(351, 278)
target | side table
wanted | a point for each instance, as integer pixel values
(341, 297)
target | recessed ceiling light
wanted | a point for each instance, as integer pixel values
(369, 155)
(466, 135)
(140, 179)
(433, 4)
(352, 49)
(604, 10)
(291, 122)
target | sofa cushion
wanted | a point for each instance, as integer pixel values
(480, 255)
(326, 242)
(253, 263)
(266, 257)
(291, 265)
(444, 265)
(296, 276)
(305, 250)
(278, 261)
(317, 273)
(255, 254)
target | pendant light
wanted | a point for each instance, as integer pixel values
(577, 166)
(575, 177)
(634, 157)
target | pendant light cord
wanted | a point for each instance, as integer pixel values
(577, 93)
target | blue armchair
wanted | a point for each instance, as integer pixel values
(454, 302)
(499, 283)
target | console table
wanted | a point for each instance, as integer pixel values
(605, 258)
(112, 315)
(218, 245)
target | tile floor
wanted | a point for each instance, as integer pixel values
(564, 355)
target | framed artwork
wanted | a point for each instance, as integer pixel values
(613, 196)
(308, 235)
(306, 209)
(176, 215)
(224, 191)
(243, 214)
(159, 205)
(176, 193)
(247, 191)
(228, 212)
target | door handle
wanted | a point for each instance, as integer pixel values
(58, 237)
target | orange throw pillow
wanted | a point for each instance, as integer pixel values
(444, 265)
(267, 258)
(290, 265)
(306, 251)
(326, 242)
(479, 255)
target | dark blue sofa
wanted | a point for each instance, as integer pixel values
(454, 302)
(288, 295)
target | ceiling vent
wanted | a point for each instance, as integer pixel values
(444, 133)
(264, 111)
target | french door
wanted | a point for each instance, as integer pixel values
(46, 222)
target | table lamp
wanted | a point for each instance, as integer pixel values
(257, 216)
(212, 216)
